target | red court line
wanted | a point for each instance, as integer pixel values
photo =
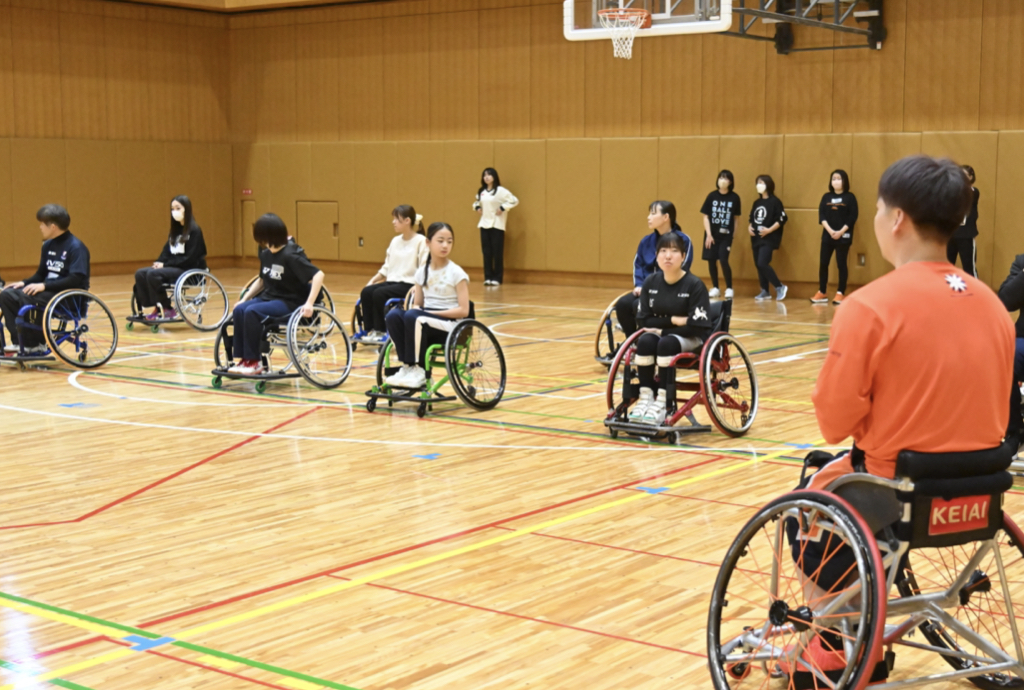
(529, 618)
(166, 479)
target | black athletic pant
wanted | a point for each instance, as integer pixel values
(12, 300)
(625, 312)
(149, 286)
(842, 254)
(763, 260)
(492, 241)
(372, 300)
(1016, 426)
(967, 250)
(722, 250)
(652, 349)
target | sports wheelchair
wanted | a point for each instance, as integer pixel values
(609, 334)
(359, 329)
(816, 564)
(317, 348)
(324, 300)
(199, 298)
(474, 365)
(726, 385)
(79, 329)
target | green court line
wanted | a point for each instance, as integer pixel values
(59, 682)
(178, 643)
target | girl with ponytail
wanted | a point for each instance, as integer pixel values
(405, 255)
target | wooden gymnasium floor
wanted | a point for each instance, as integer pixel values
(294, 540)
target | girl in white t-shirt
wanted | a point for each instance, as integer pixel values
(441, 297)
(406, 253)
(493, 203)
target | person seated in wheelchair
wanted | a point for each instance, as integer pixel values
(1011, 293)
(441, 296)
(919, 359)
(406, 254)
(184, 250)
(674, 304)
(661, 219)
(63, 265)
(287, 281)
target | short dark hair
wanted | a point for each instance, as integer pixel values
(672, 239)
(933, 192)
(54, 214)
(769, 183)
(842, 174)
(727, 174)
(270, 231)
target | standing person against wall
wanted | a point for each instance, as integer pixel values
(493, 203)
(767, 220)
(720, 210)
(837, 214)
(963, 241)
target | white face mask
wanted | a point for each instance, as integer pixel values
(761, 187)
(178, 215)
(723, 182)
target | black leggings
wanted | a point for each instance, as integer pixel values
(763, 261)
(149, 286)
(652, 349)
(722, 250)
(967, 250)
(625, 312)
(372, 300)
(842, 253)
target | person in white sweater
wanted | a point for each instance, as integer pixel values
(493, 203)
(406, 253)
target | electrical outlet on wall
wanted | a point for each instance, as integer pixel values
(360, 241)
(862, 259)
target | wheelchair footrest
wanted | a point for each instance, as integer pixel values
(27, 359)
(139, 318)
(650, 430)
(411, 395)
(268, 376)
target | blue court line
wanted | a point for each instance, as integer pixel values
(650, 490)
(144, 644)
(428, 456)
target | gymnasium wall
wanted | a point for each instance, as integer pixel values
(112, 109)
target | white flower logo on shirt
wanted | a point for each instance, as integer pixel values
(699, 313)
(956, 283)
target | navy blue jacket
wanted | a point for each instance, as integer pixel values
(646, 260)
(63, 264)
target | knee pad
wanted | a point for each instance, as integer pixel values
(665, 361)
(643, 360)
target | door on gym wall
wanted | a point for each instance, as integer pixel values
(316, 228)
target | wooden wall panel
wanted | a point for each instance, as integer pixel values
(867, 85)
(1002, 66)
(557, 77)
(687, 173)
(573, 213)
(6, 74)
(7, 256)
(612, 91)
(943, 68)
(317, 82)
(274, 52)
(505, 73)
(36, 63)
(454, 102)
(629, 183)
(407, 84)
(333, 177)
(419, 174)
(187, 171)
(219, 231)
(83, 76)
(143, 210)
(733, 85)
(809, 162)
(672, 73)
(209, 89)
(375, 193)
(243, 84)
(1006, 236)
(522, 166)
(361, 79)
(290, 179)
(128, 104)
(167, 64)
(798, 86)
(38, 176)
(251, 166)
(92, 197)
(463, 163)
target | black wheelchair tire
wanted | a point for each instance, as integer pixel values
(48, 333)
(466, 391)
(293, 353)
(200, 324)
(707, 381)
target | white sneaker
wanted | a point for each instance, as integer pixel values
(416, 378)
(762, 296)
(396, 378)
(37, 350)
(713, 293)
(12, 349)
(780, 293)
(655, 412)
(488, 282)
(728, 293)
(250, 369)
(640, 408)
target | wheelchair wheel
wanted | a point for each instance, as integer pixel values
(245, 290)
(609, 334)
(222, 345)
(614, 390)
(983, 599)
(325, 300)
(805, 565)
(729, 384)
(80, 329)
(319, 347)
(201, 300)
(476, 364)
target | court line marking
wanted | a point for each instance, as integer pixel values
(29, 673)
(73, 380)
(494, 329)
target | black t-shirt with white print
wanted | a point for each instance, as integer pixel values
(286, 275)
(840, 210)
(661, 300)
(722, 211)
(766, 213)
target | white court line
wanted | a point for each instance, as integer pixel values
(73, 380)
(171, 342)
(792, 358)
(418, 444)
(494, 329)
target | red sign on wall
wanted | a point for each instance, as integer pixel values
(246, 192)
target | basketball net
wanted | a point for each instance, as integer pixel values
(624, 23)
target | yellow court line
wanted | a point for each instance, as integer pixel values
(341, 586)
(788, 402)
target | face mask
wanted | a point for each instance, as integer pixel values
(761, 187)
(724, 182)
(178, 216)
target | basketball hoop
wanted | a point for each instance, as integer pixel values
(624, 23)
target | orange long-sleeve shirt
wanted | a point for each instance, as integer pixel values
(920, 359)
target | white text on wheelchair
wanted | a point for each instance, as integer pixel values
(959, 515)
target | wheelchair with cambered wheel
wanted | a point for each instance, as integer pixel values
(609, 336)
(720, 378)
(77, 326)
(359, 329)
(199, 299)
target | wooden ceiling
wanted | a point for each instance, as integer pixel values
(235, 6)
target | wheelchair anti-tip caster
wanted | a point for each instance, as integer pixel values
(217, 382)
(421, 411)
(261, 386)
(371, 405)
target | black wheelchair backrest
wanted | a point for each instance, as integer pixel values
(472, 310)
(719, 315)
(957, 497)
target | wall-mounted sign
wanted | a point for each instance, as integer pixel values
(246, 192)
